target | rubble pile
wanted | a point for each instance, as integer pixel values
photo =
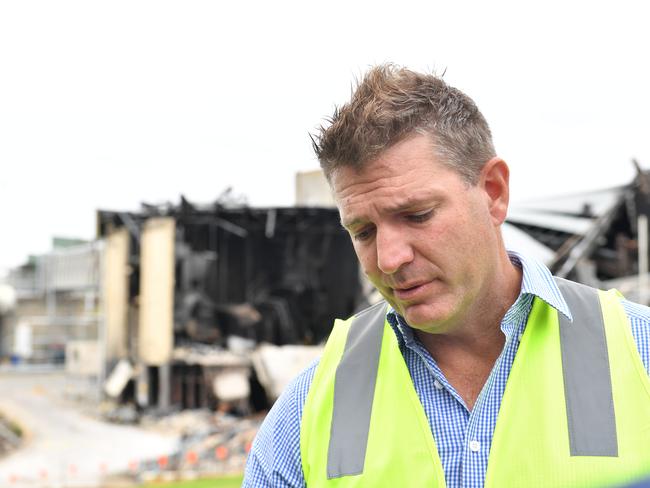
(210, 442)
(184, 422)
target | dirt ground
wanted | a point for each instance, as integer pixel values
(63, 445)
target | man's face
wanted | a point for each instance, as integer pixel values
(424, 237)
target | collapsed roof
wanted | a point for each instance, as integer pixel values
(590, 236)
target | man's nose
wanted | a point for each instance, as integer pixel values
(393, 250)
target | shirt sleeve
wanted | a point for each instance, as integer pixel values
(274, 459)
(639, 316)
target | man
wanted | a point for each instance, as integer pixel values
(481, 369)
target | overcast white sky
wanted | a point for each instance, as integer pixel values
(108, 104)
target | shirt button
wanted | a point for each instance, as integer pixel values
(437, 384)
(475, 446)
(519, 337)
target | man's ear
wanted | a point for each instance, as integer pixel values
(495, 182)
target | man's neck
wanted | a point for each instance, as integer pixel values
(466, 354)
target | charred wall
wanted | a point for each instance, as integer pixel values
(279, 275)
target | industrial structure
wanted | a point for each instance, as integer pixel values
(190, 286)
(599, 238)
(56, 302)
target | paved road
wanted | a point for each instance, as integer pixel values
(64, 447)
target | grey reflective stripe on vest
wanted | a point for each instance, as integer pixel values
(587, 380)
(354, 389)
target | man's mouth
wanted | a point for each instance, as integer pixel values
(410, 290)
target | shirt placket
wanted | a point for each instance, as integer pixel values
(476, 448)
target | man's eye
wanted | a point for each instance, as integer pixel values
(420, 216)
(362, 235)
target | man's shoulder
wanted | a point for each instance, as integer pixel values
(639, 321)
(639, 318)
(636, 311)
(295, 393)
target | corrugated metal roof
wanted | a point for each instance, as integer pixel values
(599, 202)
(518, 240)
(564, 223)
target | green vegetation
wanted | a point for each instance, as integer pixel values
(229, 482)
(14, 428)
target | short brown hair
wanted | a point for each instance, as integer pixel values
(392, 103)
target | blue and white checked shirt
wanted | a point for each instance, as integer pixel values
(274, 460)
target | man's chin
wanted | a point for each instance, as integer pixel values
(423, 317)
(419, 315)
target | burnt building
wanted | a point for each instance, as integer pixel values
(186, 285)
(594, 237)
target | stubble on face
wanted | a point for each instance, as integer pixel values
(425, 270)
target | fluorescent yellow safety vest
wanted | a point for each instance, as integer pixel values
(575, 411)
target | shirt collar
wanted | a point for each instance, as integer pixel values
(537, 281)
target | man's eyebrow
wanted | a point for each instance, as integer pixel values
(406, 204)
(409, 202)
(346, 224)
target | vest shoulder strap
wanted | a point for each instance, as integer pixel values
(586, 371)
(354, 390)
